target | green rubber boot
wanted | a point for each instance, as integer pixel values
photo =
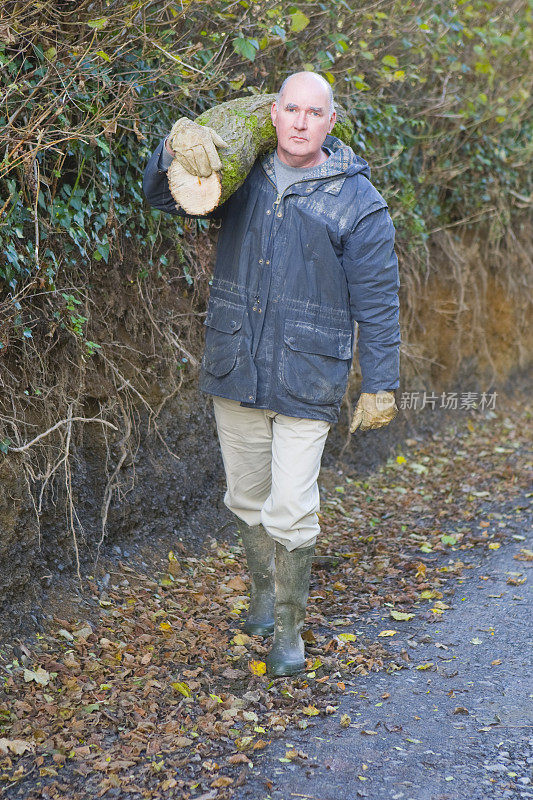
(293, 572)
(259, 548)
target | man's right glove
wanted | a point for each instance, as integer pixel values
(194, 146)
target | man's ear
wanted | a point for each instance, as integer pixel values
(274, 112)
(332, 121)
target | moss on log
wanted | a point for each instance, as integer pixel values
(246, 126)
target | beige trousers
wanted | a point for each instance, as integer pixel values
(272, 463)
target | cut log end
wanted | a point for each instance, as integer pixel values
(193, 194)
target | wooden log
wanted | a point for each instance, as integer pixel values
(245, 124)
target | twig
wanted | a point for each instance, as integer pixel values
(37, 177)
(67, 421)
(490, 210)
(108, 494)
(175, 58)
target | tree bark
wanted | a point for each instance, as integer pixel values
(246, 126)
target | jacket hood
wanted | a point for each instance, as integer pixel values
(344, 157)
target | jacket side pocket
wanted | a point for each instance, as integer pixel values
(223, 322)
(315, 362)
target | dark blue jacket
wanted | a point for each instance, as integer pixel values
(291, 276)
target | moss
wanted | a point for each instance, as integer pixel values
(263, 132)
(343, 130)
(233, 174)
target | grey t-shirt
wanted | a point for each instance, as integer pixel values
(287, 175)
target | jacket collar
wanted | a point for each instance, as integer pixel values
(341, 163)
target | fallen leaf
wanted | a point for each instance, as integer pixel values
(182, 688)
(239, 758)
(400, 615)
(430, 594)
(345, 721)
(387, 633)
(181, 741)
(447, 539)
(40, 676)
(243, 742)
(237, 583)
(420, 571)
(241, 638)
(260, 744)
(83, 632)
(310, 711)
(222, 780)
(16, 746)
(232, 673)
(257, 667)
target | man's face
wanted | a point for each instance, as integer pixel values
(302, 121)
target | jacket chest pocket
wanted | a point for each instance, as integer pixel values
(222, 337)
(315, 362)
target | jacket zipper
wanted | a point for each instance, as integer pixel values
(275, 207)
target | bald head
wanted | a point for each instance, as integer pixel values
(306, 78)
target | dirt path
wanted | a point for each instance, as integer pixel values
(418, 642)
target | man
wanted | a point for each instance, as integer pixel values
(306, 247)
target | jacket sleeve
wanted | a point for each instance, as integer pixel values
(156, 191)
(371, 269)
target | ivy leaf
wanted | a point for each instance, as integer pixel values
(389, 61)
(246, 47)
(298, 21)
(98, 24)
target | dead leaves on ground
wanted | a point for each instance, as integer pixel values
(163, 692)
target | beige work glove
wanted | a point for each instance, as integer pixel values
(194, 146)
(374, 411)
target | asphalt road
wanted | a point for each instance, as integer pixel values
(460, 729)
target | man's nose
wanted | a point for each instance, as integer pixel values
(300, 120)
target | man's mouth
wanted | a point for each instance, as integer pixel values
(299, 138)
